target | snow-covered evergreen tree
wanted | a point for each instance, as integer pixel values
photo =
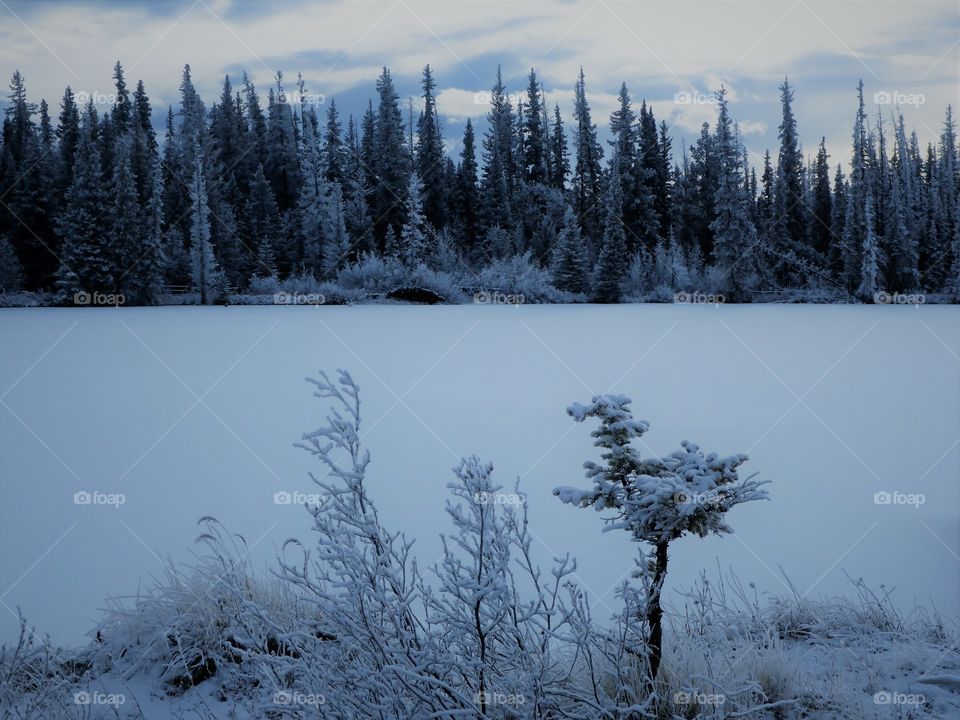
(310, 203)
(790, 232)
(414, 236)
(466, 199)
(656, 500)
(570, 266)
(430, 156)
(534, 137)
(870, 255)
(498, 177)
(207, 278)
(390, 158)
(125, 217)
(587, 187)
(821, 228)
(559, 161)
(336, 241)
(611, 268)
(86, 264)
(280, 167)
(147, 283)
(855, 226)
(261, 221)
(735, 236)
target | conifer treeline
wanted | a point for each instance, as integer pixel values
(95, 203)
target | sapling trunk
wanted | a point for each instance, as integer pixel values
(655, 609)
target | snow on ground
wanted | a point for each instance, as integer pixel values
(191, 411)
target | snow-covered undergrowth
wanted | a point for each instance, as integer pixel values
(255, 647)
(353, 628)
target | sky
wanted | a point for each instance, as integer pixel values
(673, 54)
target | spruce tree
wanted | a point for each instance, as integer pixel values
(663, 194)
(86, 263)
(497, 182)
(256, 125)
(790, 231)
(310, 208)
(430, 161)
(651, 203)
(838, 223)
(125, 218)
(68, 132)
(147, 285)
(569, 267)
(281, 146)
(704, 182)
(612, 263)
(623, 127)
(734, 234)
(391, 160)
(822, 208)
(587, 175)
(336, 247)
(855, 226)
(121, 115)
(413, 247)
(467, 197)
(207, 279)
(870, 257)
(261, 225)
(27, 187)
(535, 141)
(559, 156)
(334, 151)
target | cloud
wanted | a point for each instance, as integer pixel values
(658, 48)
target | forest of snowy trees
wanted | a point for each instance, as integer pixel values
(246, 197)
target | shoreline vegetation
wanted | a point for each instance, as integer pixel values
(249, 198)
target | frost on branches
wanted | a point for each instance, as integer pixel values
(388, 643)
(656, 500)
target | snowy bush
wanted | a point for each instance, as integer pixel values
(519, 275)
(378, 276)
(34, 677)
(263, 285)
(397, 646)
